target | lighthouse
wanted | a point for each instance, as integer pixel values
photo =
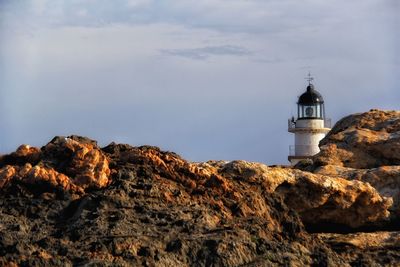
(310, 126)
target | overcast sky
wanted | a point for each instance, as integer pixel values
(208, 79)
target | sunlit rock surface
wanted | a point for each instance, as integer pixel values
(158, 210)
(316, 198)
(365, 147)
(363, 141)
(73, 203)
(385, 179)
(71, 164)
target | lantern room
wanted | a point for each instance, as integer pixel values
(311, 105)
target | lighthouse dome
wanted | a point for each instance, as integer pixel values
(311, 96)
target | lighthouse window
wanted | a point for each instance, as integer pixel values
(309, 112)
(319, 111)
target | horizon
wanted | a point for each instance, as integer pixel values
(212, 80)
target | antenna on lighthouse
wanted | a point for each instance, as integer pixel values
(309, 78)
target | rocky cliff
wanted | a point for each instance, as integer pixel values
(72, 203)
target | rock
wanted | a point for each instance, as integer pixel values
(24, 154)
(385, 180)
(200, 183)
(140, 206)
(365, 249)
(363, 141)
(365, 147)
(317, 198)
(79, 158)
(66, 163)
(37, 175)
(375, 240)
(159, 210)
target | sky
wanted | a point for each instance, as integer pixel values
(207, 79)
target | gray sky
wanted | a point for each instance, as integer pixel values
(208, 79)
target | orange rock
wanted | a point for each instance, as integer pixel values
(87, 165)
(27, 151)
(6, 175)
(64, 163)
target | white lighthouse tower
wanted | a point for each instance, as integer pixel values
(310, 126)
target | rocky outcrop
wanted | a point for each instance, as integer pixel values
(385, 180)
(363, 141)
(365, 147)
(39, 176)
(318, 199)
(158, 210)
(73, 203)
(72, 165)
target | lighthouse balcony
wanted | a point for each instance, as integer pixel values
(299, 125)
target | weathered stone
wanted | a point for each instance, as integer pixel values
(63, 164)
(365, 147)
(79, 159)
(160, 210)
(362, 141)
(24, 154)
(375, 240)
(385, 179)
(365, 249)
(317, 198)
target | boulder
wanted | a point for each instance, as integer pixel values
(363, 141)
(385, 179)
(66, 163)
(80, 159)
(365, 147)
(319, 199)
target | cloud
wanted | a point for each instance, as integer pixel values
(249, 16)
(138, 3)
(208, 51)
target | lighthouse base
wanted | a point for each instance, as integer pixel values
(296, 159)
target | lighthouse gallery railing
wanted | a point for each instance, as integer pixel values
(292, 124)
